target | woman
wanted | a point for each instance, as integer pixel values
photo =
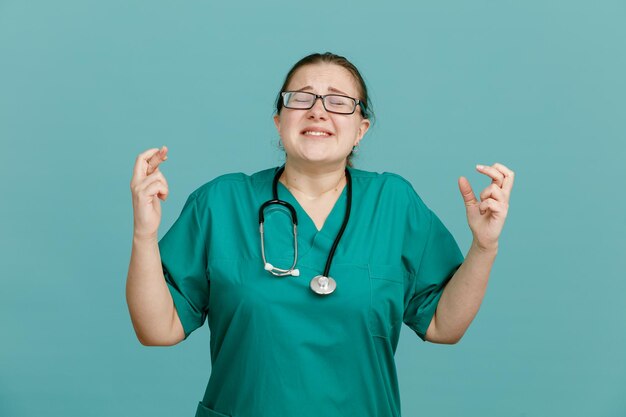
(308, 326)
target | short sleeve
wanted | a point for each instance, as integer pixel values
(184, 261)
(439, 260)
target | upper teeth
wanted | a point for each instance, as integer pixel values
(310, 132)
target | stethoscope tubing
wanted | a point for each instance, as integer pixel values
(294, 218)
(346, 217)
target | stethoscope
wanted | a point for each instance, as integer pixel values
(320, 284)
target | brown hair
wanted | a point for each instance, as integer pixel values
(330, 58)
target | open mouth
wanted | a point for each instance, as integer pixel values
(316, 133)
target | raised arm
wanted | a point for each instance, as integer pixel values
(150, 303)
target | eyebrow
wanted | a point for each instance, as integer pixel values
(331, 89)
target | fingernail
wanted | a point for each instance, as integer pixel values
(479, 166)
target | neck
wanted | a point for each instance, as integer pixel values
(313, 181)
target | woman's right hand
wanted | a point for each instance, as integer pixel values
(148, 185)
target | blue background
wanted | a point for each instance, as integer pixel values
(85, 86)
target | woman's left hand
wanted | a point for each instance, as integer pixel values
(486, 217)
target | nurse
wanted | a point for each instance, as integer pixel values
(315, 332)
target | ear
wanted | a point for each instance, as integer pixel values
(277, 121)
(363, 127)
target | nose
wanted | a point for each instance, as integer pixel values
(318, 110)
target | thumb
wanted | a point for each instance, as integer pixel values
(466, 191)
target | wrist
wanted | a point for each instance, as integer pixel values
(139, 238)
(491, 248)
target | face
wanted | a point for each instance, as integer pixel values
(343, 130)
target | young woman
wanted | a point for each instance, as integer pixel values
(307, 271)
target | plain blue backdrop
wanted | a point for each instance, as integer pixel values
(85, 86)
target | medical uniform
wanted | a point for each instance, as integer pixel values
(279, 349)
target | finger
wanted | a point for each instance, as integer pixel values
(156, 175)
(466, 191)
(492, 172)
(494, 192)
(509, 177)
(141, 169)
(157, 188)
(491, 205)
(151, 178)
(156, 159)
(141, 162)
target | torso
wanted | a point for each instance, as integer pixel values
(266, 330)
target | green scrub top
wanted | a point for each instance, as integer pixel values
(279, 349)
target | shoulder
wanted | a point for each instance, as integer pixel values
(387, 185)
(388, 178)
(234, 182)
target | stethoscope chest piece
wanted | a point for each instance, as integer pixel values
(323, 285)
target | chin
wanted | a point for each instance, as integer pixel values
(317, 155)
(321, 160)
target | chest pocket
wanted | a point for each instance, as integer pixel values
(386, 304)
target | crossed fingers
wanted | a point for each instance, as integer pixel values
(501, 176)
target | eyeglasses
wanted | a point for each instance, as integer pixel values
(333, 103)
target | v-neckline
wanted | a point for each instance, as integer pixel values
(313, 244)
(333, 219)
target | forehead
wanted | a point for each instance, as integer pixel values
(323, 76)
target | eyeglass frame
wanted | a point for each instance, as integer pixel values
(357, 102)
